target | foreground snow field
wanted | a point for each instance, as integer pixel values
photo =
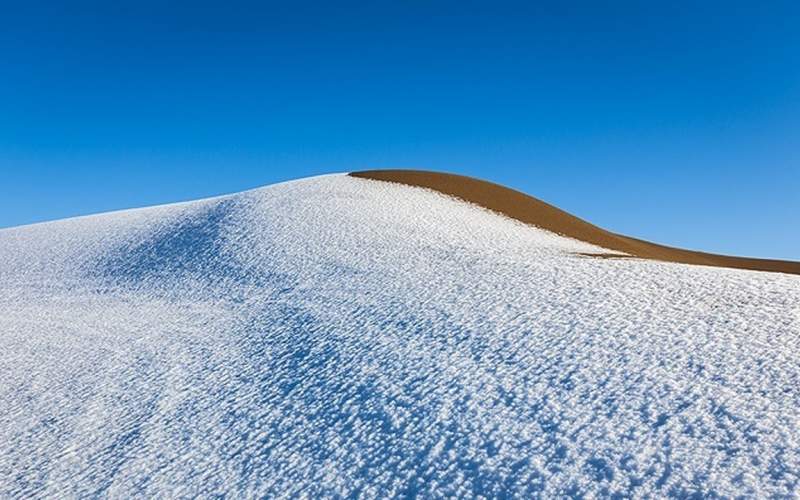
(338, 336)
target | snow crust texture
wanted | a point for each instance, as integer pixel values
(344, 337)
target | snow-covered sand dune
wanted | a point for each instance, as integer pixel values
(343, 336)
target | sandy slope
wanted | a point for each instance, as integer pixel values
(341, 336)
(538, 213)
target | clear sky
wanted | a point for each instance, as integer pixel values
(667, 121)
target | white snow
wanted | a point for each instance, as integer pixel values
(339, 336)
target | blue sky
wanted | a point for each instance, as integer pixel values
(674, 123)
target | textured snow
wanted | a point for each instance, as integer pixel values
(340, 336)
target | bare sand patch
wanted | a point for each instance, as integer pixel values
(530, 210)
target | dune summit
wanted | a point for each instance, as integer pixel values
(532, 211)
(340, 336)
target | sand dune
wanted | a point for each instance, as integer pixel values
(532, 211)
(337, 337)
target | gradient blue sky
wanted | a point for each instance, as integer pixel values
(672, 122)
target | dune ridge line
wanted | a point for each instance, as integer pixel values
(535, 212)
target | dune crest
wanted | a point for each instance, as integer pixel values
(530, 210)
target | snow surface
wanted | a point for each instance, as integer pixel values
(340, 336)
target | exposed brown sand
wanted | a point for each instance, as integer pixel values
(529, 210)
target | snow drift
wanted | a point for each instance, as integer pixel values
(343, 336)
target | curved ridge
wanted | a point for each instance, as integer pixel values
(530, 210)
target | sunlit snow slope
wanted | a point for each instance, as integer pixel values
(337, 336)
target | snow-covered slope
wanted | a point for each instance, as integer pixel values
(337, 336)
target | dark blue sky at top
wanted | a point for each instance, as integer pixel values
(673, 122)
